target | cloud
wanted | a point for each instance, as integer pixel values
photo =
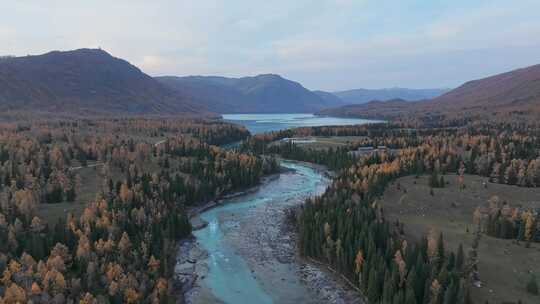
(343, 2)
(153, 63)
(330, 44)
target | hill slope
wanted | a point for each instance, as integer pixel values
(330, 97)
(515, 89)
(358, 96)
(514, 92)
(374, 109)
(84, 81)
(266, 93)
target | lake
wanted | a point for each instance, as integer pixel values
(259, 123)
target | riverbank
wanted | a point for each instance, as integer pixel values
(269, 244)
(187, 271)
(193, 213)
(262, 238)
(321, 169)
(188, 252)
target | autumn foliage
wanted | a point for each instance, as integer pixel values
(121, 248)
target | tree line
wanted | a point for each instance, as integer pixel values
(346, 228)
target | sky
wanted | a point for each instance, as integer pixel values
(325, 44)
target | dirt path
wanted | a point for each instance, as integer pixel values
(87, 166)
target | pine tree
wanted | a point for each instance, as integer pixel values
(373, 289)
(532, 285)
(460, 257)
(388, 288)
(410, 297)
(412, 282)
(399, 297)
(440, 249)
(463, 293)
(434, 180)
(450, 296)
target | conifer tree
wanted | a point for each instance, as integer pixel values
(532, 285)
(460, 257)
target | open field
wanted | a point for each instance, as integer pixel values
(90, 184)
(504, 266)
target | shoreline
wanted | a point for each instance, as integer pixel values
(322, 169)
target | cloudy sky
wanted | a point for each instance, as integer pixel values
(324, 44)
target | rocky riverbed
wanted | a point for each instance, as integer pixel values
(259, 236)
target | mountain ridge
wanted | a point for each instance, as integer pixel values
(516, 91)
(264, 93)
(361, 95)
(92, 81)
(85, 80)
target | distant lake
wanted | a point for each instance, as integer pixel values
(259, 123)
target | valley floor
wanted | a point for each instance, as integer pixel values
(267, 243)
(504, 265)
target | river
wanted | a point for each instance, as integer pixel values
(246, 254)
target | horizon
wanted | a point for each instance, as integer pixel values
(211, 75)
(330, 45)
(8, 56)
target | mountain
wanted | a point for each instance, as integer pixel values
(358, 96)
(267, 93)
(375, 109)
(515, 89)
(212, 92)
(329, 97)
(514, 92)
(84, 81)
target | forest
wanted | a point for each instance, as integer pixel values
(347, 228)
(121, 247)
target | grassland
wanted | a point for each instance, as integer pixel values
(504, 265)
(90, 183)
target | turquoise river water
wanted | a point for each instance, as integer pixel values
(249, 258)
(229, 277)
